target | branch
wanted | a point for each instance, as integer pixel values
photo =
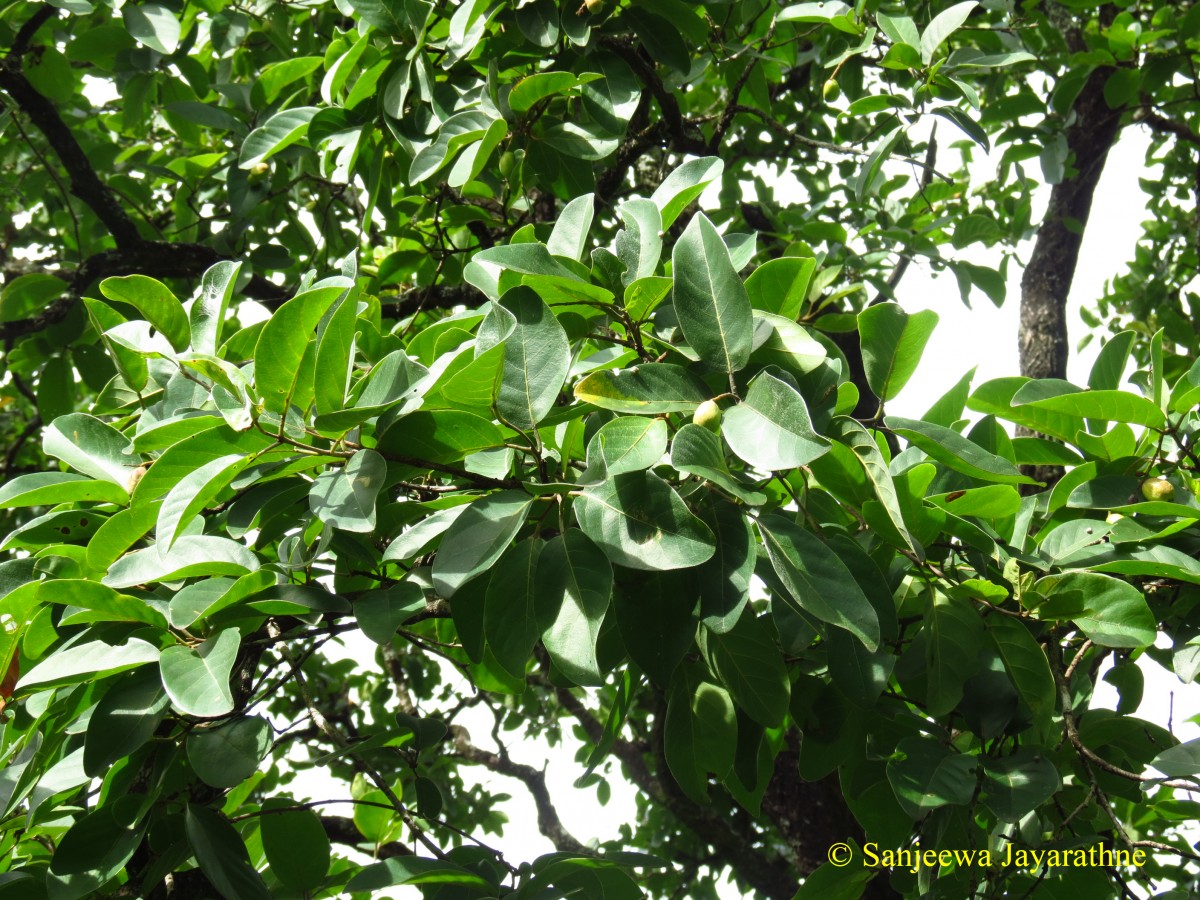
(667, 102)
(769, 876)
(549, 824)
(85, 183)
(343, 831)
(1163, 125)
(24, 37)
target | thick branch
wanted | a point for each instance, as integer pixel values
(549, 824)
(343, 831)
(1047, 278)
(85, 183)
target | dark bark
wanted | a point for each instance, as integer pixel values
(1047, 279)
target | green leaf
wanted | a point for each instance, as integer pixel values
(222, 855)
(94, 849)
(700, 734)
(477, 538)
(190, 496)
(295, 843)
(380, 613)
(154, 26)
(943, 25)
(771, 429)
(1180, 761)
(208, 310)
(155, 302)
(509, 616)
(649, 389)
(858, 439)
(537, 357)
(335, 355)
(926, 775)
(439, 436)
(534, 88)
(571, 229)
(1117, 614)
(345, 497)
(709, 297)
(52, 488)
(92, 447)
(892, 344)
(92, 659)
(581, 140)
(644, 295)
(575, 583)
(1018, 784)
(656, 621)
(640, 522)
(1103, 405)
(954, 646)
(629, 444)
(1027, 667)
(817, 580)
(417, 870)
(697, 451)
(124, 720)
(685, 184)
(278, 133)
(190, 556)
(781, 342)
(106, 603)
(225, 756)
(780, 286)
(197, 678)
(748, 662)
(639, 243)
(724, 580)
(283, 340)
(56, 389)
(957, 452)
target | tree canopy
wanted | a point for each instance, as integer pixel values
(549, 348)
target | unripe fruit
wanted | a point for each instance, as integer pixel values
(1157, 489)
(707, 415)
(831, 91)
(508, 162)
(1113, 518)
(595, 7)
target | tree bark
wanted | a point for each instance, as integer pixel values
(1047, 278)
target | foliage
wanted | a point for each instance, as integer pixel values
(487, 443)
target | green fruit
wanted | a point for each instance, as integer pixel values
(707, 415)
(595, 7)
(832, 90)
(508, 162)
(258, 173)
(1157, 489)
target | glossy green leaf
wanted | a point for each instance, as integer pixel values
(86, 661)
(749, 664)
(953, 648)
(641, 522)
(125, 718)
(683, 185)
(892, 343)
(222, 855)
(709, 297)
(295, 843)
(1117, 614)
(1027, 666)
(92, 447)
(697, 451)
(817, 580)
(537, 356)
(780, 286)
(380, 613)
(957, 452)
(197, 678)
(282, 343)
(155, 302)
(510, 624)
(771, 429)
(925, 775)
(439, 436)
(575, 583)
(648, 389)
(278, 133)
(700, 734)
(191, 555)
(859, 440)
(52, 488)
(629, 444)
(228, 754)
(345, 497)
(477, 538)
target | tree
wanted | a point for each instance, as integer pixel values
(511, 405)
